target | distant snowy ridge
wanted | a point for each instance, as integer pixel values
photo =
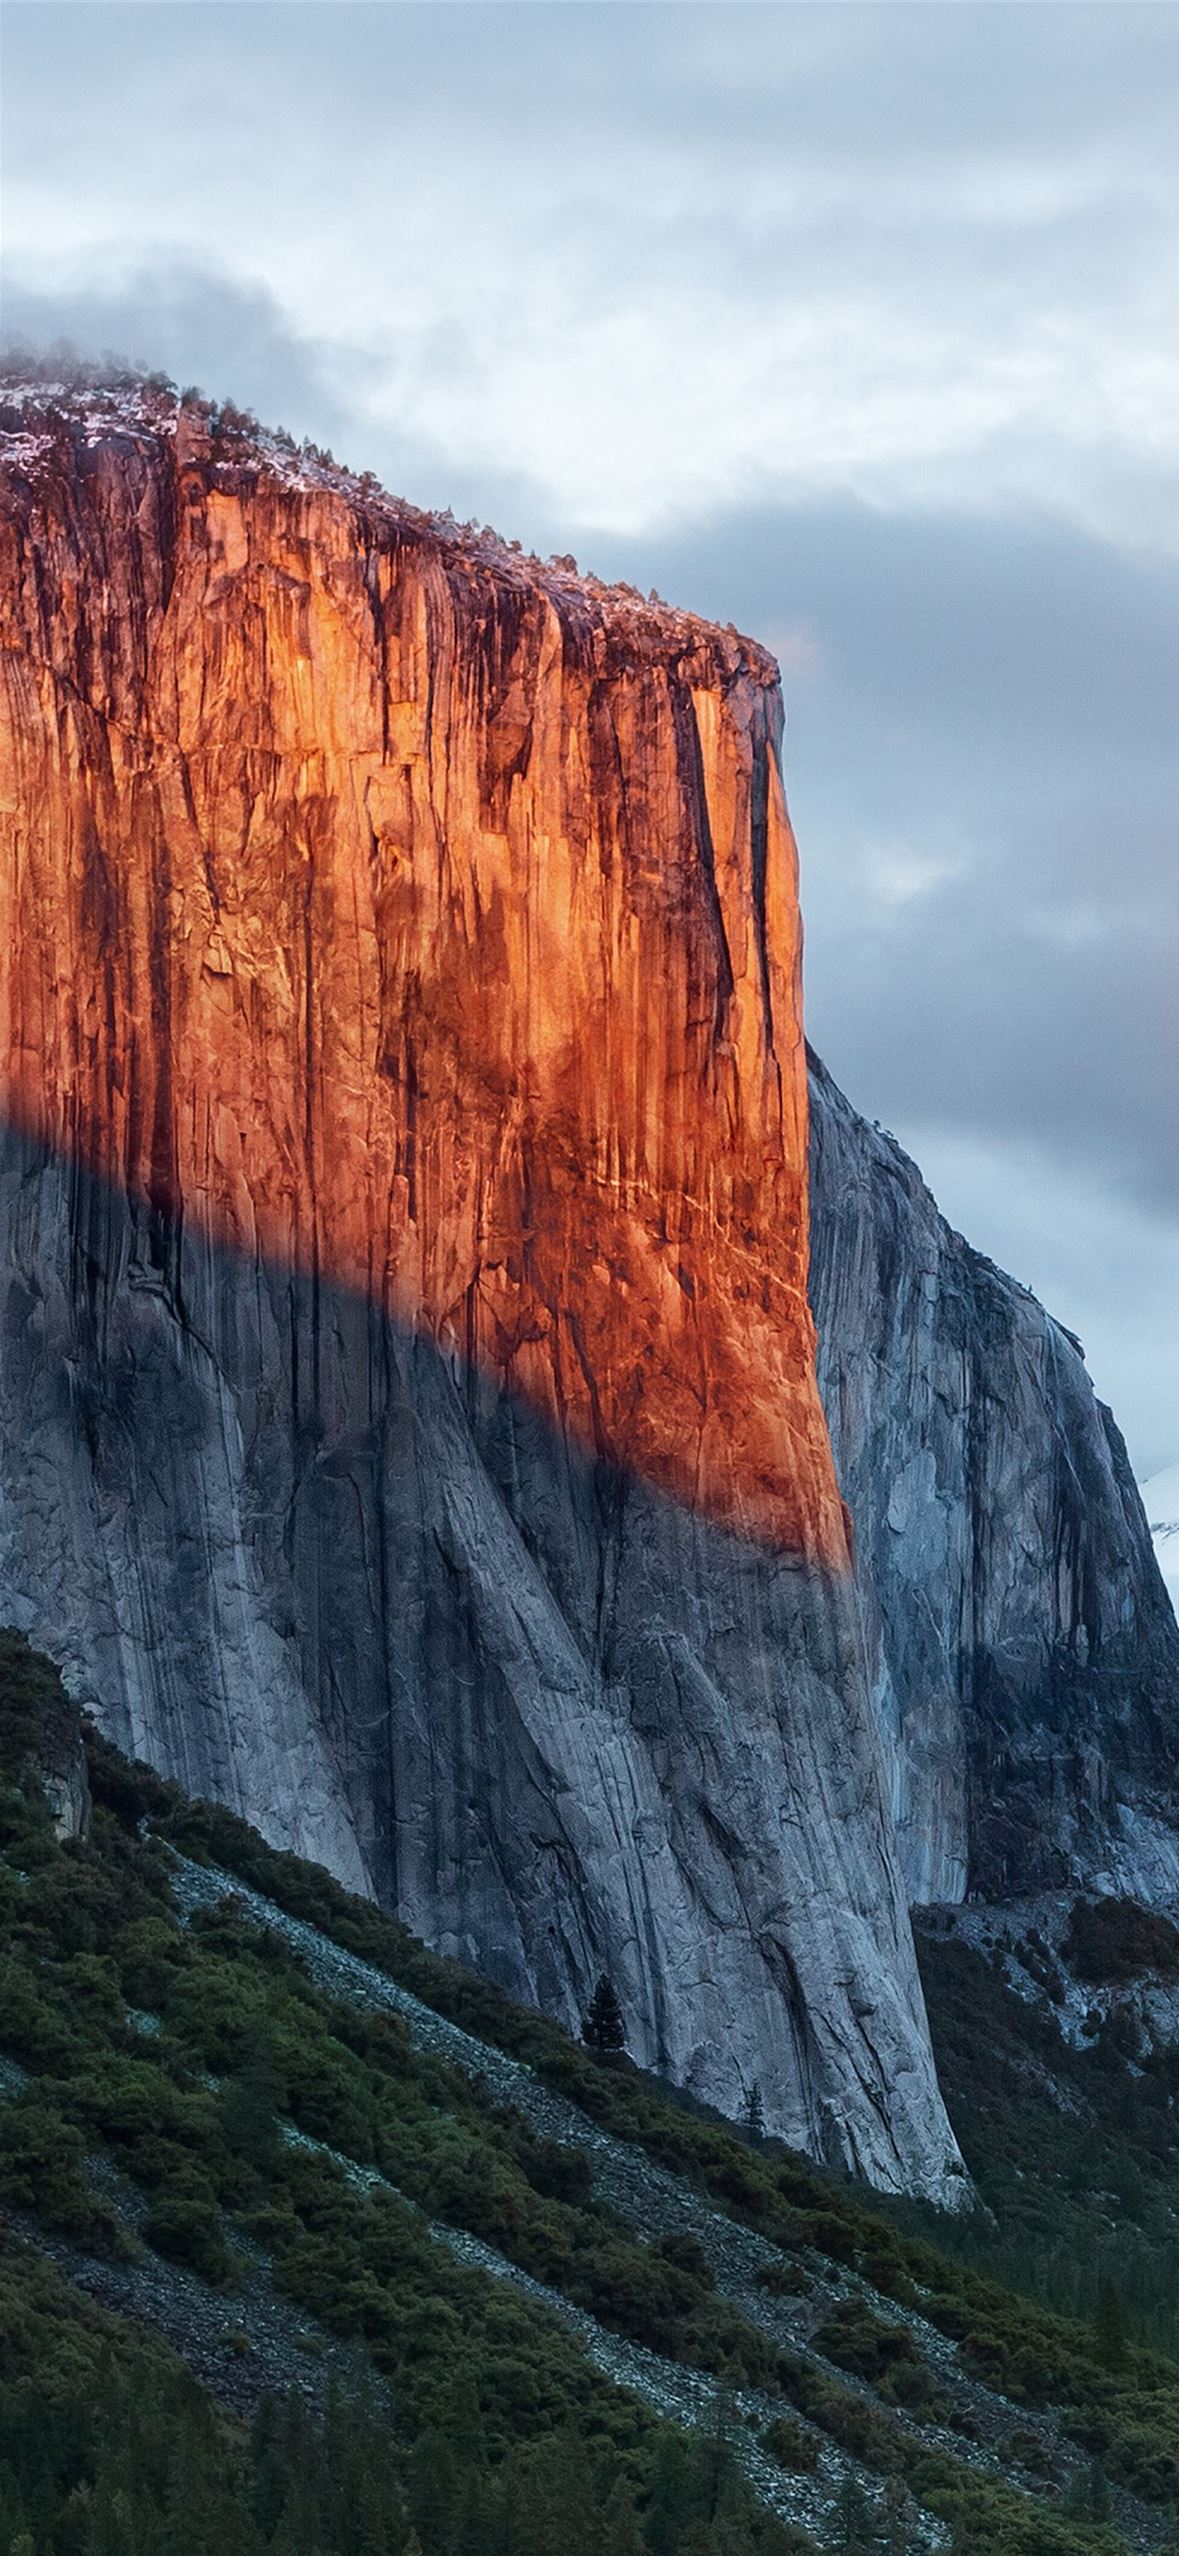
(1160, 1499)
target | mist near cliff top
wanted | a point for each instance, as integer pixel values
(849, 325)
(1161, 1501)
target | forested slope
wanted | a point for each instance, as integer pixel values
(391, 2224)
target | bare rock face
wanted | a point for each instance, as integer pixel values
(1025, 1657)
(408, 1418)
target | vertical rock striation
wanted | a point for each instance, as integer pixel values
(1025, 1658)
(408, 1418)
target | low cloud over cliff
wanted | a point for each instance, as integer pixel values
(851, 324)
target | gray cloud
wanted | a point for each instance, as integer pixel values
(984, 769)
(983, 766)
(652, 258)
(230, 338)
(234, 341)
(854, 325)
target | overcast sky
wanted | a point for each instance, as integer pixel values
(857, 325)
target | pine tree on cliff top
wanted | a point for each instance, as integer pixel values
(602, 2025)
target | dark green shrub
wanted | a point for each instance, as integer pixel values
(790, 2445)
(43, 2171)
(783, 2280)
(1113, 1941)
(857, 2341)
(558, 2174)
(912, 2385)
(187, 2228)
(831, 2235)
(149, 1952)
(686, 2254)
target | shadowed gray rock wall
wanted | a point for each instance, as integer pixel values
(553, 1720)
(1025, 1657)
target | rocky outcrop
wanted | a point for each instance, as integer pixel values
(1160, 1499)
(41, 1736)
(408, 1419)
(1024, 1653)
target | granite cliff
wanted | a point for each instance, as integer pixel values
(1025, 1655)
(409, 1428)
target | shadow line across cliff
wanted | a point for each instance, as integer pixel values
(309, 1562)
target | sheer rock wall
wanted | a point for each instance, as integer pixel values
(408, 1418)
(1024, 1654)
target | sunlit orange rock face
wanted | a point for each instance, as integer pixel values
(425, 918)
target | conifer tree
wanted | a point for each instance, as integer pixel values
(266, 2451)
(853, 2517)
(462, 2421)
(898, 2511)
(469, 2531)
(603, 2028)
(249, 2103)
(620, 2528)
(715, 2466)
(671, 2504)
(1097, 2496)
(1111, 2327)
(433, 2488)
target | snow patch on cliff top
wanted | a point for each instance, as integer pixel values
(209, 436)
(1160, 1499)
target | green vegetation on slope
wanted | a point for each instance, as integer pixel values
(1128, 2417)
(109, 2448)
(1073, 2150)
(499, 2422)
(178, 2056)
